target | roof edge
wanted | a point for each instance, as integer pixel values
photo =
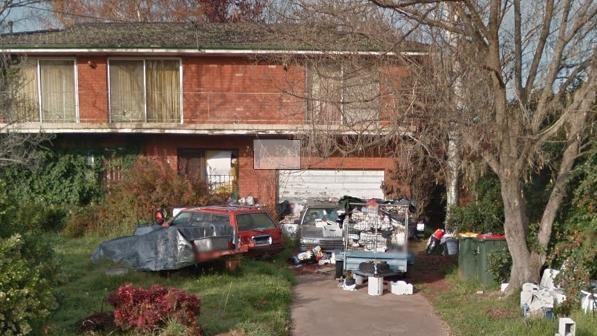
(168, 51)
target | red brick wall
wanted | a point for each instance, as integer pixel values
(93, 89)
(237, 90)
(225, 90)
(215, 90)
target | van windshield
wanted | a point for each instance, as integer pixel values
(325, 214)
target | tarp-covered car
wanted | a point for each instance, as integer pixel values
(191, 237)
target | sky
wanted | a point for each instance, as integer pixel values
(28, 19)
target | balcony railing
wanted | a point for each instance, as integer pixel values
(222, 183)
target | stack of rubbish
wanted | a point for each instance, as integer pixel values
(376, 232)
(315, 255)
(373, 242)
(539, 300)
(289, 212)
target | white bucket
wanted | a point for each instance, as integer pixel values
(375, 286)
(358, 279)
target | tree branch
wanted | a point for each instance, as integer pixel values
(518, 54)
(553, 69)
(545, 31)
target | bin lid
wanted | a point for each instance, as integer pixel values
(468, 235)
(491, 236)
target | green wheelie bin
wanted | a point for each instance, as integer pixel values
(486, 245)
(468, 258)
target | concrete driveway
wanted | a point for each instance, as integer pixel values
(321, 308)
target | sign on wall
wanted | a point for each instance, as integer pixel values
(276, 154)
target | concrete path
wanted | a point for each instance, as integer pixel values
(321, 308)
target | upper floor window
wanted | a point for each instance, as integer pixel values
(342, 93)
(145, 90)
(49, 91)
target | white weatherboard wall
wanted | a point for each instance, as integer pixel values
(299, 185)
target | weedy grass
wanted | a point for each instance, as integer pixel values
(255, 299)
(472, 314)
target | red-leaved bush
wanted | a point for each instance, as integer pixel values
(146, 310)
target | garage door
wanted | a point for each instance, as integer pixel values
(298, 185)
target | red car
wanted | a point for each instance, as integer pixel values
(255, 229)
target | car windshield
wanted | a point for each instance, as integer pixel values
(314, 214)
(256, 221)
(200, 218)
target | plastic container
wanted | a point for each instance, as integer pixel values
(468, 259)
(375, 286)
(451, 246)
(488, 244)
(401, 288)
(473, 257)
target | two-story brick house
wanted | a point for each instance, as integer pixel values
(194, 97)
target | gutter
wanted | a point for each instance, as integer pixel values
(221, 52)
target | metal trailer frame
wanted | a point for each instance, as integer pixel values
(397, 260)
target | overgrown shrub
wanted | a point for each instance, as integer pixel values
(146, 186)
(58, 178)
(575, 241)
(26, 296)
(28, 269)
(485, 214)
(149, 310)
(500, 263)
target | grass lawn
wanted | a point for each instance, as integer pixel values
(256, 299)
(471, 314)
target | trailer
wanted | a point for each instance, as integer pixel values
(376, 239)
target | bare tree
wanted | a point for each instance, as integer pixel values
(15, 147)
(507, 76)
(74, 11)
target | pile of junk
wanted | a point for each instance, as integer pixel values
(366, 240)
(348, 223)
(540, 300)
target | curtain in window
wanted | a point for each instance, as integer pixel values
(163, 90)
(325, 93)
(360, 95)
(57, 90)
(126, 91)
(27, 101)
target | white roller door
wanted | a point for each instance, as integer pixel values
(299, 185)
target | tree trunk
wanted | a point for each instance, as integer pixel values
(452, 183)
(516, 229)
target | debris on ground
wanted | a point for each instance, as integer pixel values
(539, 300)
(315, 255)
(97, 322)
(401, 288)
